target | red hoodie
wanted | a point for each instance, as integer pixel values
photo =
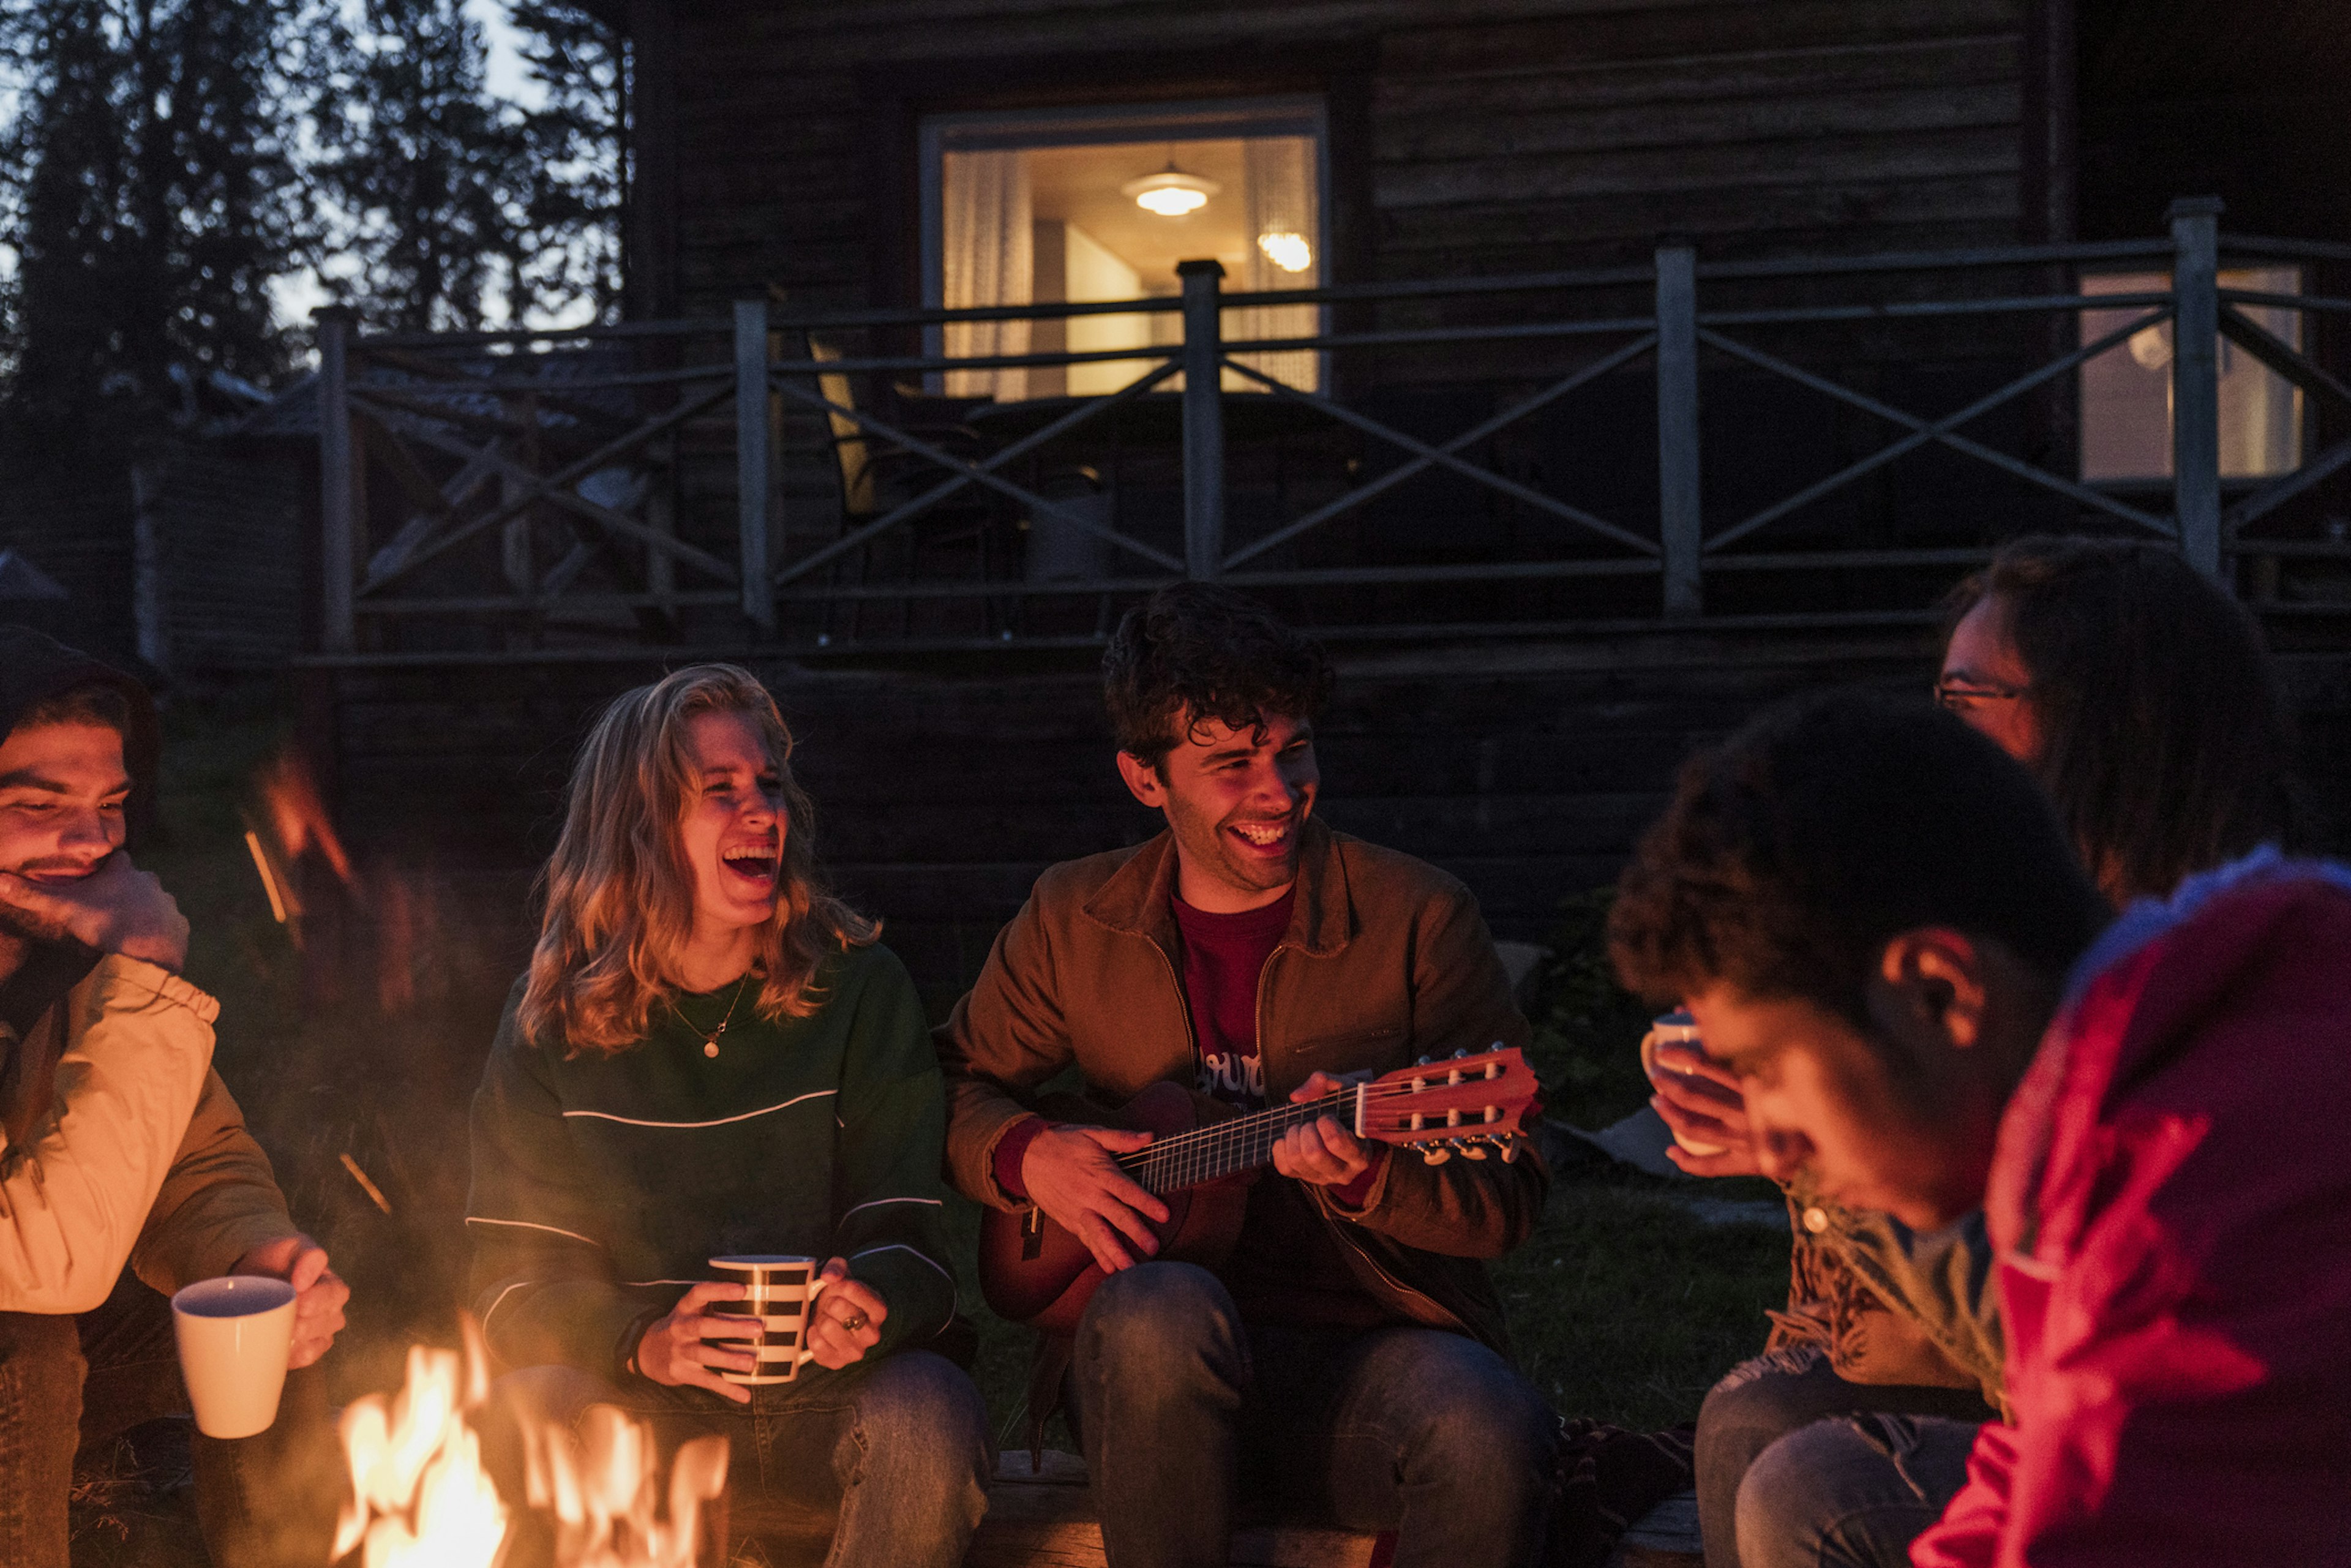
(2170, 1202)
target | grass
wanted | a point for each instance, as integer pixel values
(1624, 1305)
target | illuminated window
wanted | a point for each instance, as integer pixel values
(2126, 391)
(1101, 204)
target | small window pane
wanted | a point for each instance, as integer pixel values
(2126, 391)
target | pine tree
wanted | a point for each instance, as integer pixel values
(426, 175)
(577, 207)
(150, 198)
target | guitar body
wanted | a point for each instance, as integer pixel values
(1033, 1272)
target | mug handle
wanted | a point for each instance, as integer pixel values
(816, 1283)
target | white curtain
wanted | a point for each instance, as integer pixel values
(986, 258)
(1285, 252)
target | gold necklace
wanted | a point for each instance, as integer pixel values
(710, 1045)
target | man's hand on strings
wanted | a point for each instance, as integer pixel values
(1323, 1151)
(1073, 1174)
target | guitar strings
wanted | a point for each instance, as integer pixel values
(1193, 1151)
(1273, 1113)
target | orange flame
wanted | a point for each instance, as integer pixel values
(421, 1499)
(418, 1495)
(605, 1499)
(297, 817)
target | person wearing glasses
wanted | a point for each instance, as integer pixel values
(2138, 693)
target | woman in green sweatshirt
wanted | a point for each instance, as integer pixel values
(710, 1055)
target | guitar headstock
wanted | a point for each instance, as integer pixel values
(1460, 1104)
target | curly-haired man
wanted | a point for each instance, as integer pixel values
(1349, 1358)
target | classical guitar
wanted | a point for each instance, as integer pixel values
(1033, 1272)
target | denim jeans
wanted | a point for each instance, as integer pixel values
(1182, 1409)
(896, 1451)
(71, 1382)
(1850, 1492)
(1786, 1395)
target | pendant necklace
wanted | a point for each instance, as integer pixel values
(710, 1045)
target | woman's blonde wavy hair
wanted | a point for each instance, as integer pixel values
(619, 895)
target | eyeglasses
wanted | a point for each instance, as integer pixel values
(1960, 695)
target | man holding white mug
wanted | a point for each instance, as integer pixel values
(119, 1144)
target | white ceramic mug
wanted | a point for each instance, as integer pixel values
(780, 1289)
(1680, 1028)
(234, 1334)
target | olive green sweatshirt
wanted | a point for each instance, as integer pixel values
(603, 1184)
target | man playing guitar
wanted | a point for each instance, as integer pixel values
(1347, 1357)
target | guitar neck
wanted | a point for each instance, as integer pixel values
(1226, 1148)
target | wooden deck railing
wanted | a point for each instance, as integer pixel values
(739, 482)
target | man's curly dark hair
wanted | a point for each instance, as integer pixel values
(1796, 850)
(1195, 651)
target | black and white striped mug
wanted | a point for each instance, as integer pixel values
(780, 1289)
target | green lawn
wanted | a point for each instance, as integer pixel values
(1624, 1305)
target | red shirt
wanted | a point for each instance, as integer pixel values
(1224, 956)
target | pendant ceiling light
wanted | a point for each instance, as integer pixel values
(1171, 193)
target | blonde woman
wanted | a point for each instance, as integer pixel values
(709, 1055)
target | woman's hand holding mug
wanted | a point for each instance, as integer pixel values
(848, 1318)
(692, 1345)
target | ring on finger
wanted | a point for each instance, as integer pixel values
(854, 1322)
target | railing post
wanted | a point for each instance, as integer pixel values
(2196, 379)
(753, 458)
(1204, 421)
(1681, 524)
(339, 514)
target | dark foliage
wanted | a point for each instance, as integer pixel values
(1588, 1029)
(424, 164)
(150, 195)
(575, 196)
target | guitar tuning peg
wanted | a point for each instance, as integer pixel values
(1436, 1154)
(1422, 1062)
(1510, 1147)
(1463, 1051)
(1469, 1148)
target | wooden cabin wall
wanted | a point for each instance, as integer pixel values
(779, 141)
(231, 541)
(80, 534)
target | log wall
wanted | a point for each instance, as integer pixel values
(1485, 136)
(943, 788)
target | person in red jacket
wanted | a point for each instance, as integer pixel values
(1879, 927)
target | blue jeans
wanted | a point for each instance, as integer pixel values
(1795, 1465)
(1182, 1409)
(70, 1383)
(897, 1449)
(1850, 1492)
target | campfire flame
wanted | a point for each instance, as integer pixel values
(418, 1495)
(605, 1499)
(421, 1500)
(402, 909)
(298, 815)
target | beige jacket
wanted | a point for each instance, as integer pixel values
(118, 1142)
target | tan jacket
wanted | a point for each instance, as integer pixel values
(1386, 959)
(118, 1142)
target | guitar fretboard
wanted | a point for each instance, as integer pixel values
(1226, 1148)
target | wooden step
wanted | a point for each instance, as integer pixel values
(1045, 1519)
